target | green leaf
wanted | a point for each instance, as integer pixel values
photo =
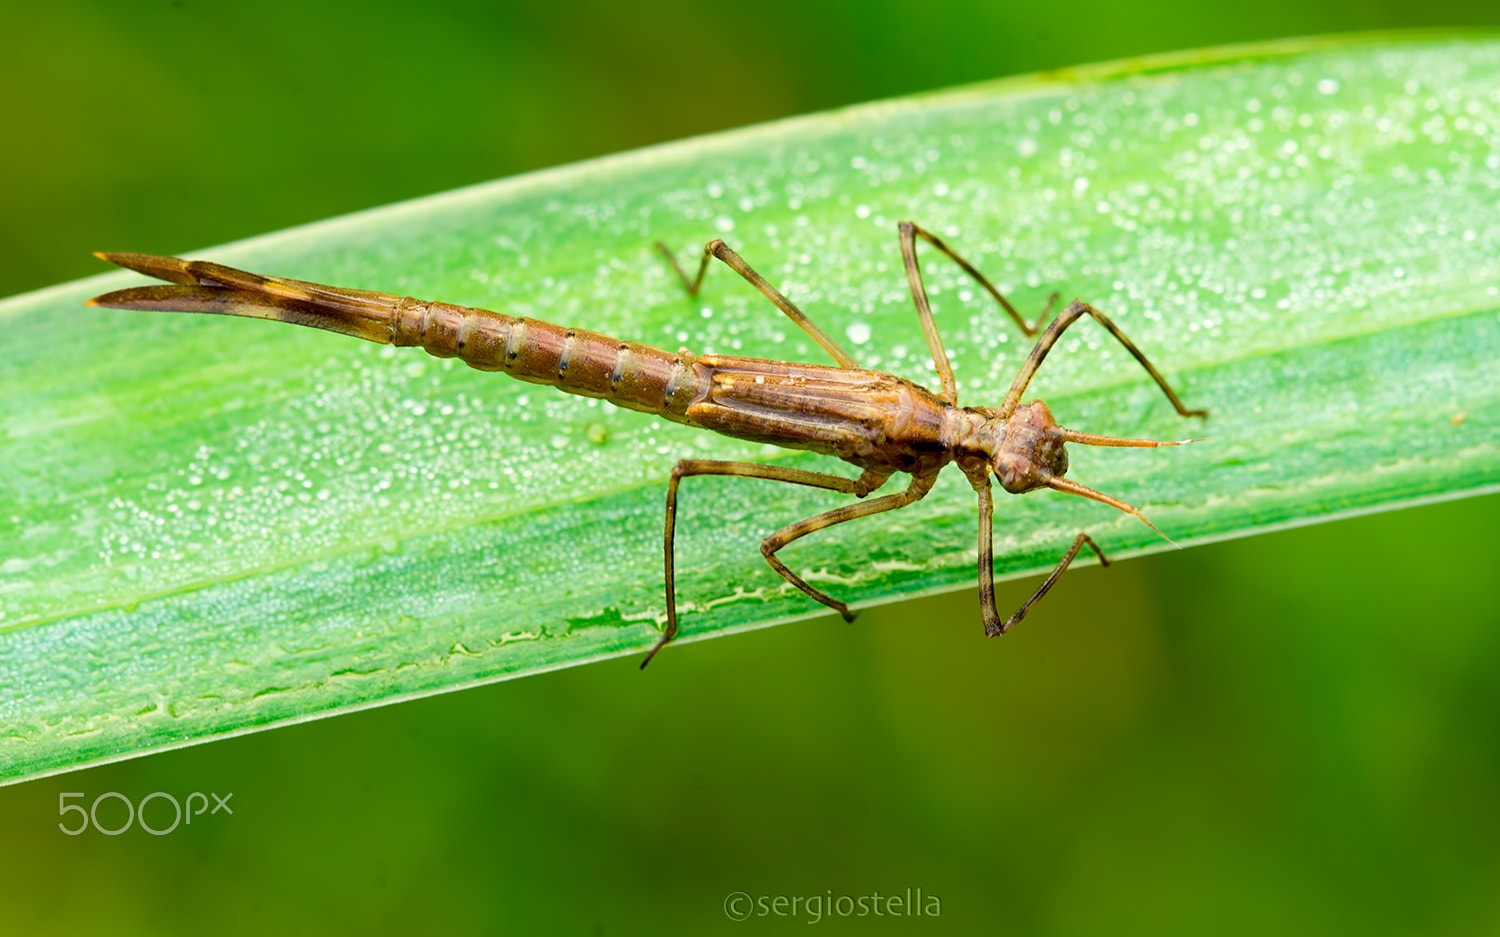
(213, 525)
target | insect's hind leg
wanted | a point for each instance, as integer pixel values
(1075, 311)
(717, 248)
(914, 492)
(859, 487)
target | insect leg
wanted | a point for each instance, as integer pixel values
(910, 231)
(1075, 311)
(717, 248)
(924, 309)
(993, 626)
(914, 492)
(859, 487)
(921, 232)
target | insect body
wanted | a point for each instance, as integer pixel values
(880, 423)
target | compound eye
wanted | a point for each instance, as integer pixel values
(1018, 474)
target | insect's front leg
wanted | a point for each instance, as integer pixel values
(993, 626)
(1075, 311)
(861, 486)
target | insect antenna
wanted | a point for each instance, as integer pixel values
(1073, 488)
(1093, 439)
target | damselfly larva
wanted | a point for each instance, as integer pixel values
(876, 421)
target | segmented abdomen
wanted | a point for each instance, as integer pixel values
(627, 374)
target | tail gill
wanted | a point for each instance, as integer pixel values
(202, 286)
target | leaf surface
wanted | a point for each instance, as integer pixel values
(211, 525)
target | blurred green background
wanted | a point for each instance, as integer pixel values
(1294, 733)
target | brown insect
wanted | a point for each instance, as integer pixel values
(879, 422)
